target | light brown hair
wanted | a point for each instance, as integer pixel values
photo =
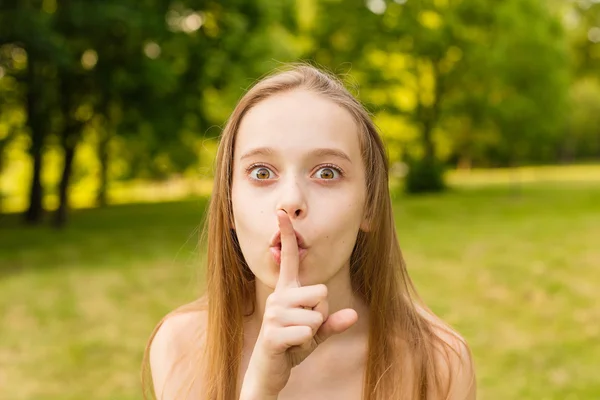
(404, 341)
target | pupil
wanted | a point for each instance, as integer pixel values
(262, 173)
(327, 173)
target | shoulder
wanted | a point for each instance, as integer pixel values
(453, 360)
(175, 352)
(455, 366)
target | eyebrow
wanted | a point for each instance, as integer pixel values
(322, 152)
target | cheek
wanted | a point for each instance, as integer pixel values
(340, 226)
(249, 216)
(251, 222)
(342, 213)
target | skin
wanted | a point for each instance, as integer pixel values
(308, 335)
(300, 304)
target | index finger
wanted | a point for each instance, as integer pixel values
(290, 261)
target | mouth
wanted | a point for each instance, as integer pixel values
(276, 247)
(276, 253)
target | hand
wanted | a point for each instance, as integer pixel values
(295, 322)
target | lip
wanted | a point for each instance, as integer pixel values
(276, 247)
(276, 253)
(276, 240)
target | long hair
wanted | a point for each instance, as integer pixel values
(403, 345)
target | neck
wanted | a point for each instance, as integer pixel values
(339, 296)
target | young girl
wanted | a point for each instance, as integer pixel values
(307, 293)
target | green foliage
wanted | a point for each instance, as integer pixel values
(465, 82)
(479, 84)
(583, 139)
(151, 61)
(530, 108)
(424, 175)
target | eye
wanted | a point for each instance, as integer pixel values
(259, 172)
(262, 172)
(328, 173)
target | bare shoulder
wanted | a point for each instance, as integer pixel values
(176, 352)
(454, 361)
(456, 366)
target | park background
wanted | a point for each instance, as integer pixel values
(110, 113)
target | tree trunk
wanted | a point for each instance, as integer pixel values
(71, 132)
(60, 217)
(427, 139)
(104, 156)
(426, 175)
(35, 116)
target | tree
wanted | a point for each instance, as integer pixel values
(436, 71)
(143, 70)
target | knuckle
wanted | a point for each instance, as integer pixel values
(270, 337)
(272, 300)
(271, 315)
(307, 332)
(319, 319)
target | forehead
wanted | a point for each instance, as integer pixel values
(298, 121)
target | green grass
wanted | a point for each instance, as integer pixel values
(517, 273)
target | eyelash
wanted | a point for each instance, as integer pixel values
(253, 166)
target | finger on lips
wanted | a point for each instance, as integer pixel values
(288, 273)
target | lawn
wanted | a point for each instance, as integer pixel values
(515, 269)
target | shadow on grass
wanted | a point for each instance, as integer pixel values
(117, 235)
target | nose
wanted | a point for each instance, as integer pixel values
(292, 199)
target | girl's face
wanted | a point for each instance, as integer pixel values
(299, 152)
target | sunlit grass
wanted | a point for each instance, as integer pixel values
(518, 276)
(523, 175)
(515, 271)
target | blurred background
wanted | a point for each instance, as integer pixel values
(110, 113)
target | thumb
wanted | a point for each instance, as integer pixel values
(336, 323)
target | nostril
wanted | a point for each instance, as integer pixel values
(297, 213)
